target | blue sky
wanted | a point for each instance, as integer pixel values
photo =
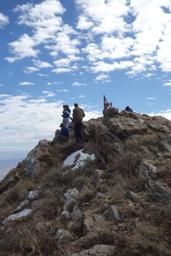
(65, 51)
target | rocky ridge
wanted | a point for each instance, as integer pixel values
(110, 195)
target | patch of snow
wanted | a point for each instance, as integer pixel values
(16, 216)
(78, 159)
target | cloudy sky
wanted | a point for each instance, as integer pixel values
(64, 51)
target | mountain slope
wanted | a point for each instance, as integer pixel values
(110, 195)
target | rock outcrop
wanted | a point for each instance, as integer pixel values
(110, 195)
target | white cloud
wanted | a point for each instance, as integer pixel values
(4, 20)
(26, 83)
(82, 96)
(22, 48)
(84, 23)
(167, 83)
(65, 42)
(102, 66)
(165, 113)
(62, 70)
(110, 21)
(48, 30)
(41, 64)
(43, 18)
(151, 98)
(133, 36)
(129, 34)
(78, 84)
(49, 94)
(102, 77)
(29, 70)
(63, 90)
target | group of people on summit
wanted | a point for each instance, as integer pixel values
(76, 121)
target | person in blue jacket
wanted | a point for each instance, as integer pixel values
(64, 130)
(66, 115)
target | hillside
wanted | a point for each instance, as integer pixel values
(108, 196)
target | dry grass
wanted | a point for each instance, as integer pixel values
(13, 195)
(126, 164)
(39, 243)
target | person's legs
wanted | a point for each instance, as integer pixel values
(77, 131)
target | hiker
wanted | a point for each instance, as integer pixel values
(61, 135)
(128, 109)
(66, 115)
(77, 119)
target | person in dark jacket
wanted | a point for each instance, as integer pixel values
(77, 119)
(64, 131)
(61, 135)
(128, 109)
(66, 115)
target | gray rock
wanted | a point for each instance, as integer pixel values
(22, 205)
(132, 196)
(34, 163)
(70, 197)
(65, 215)
(112, 213)
(76, 213)
(158, 191)
(93, 221)
(64, 236)
(146, 169)
(33, 194)
(98, 250)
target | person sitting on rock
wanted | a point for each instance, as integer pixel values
(128, 109)
(61, 135)
(66, 115)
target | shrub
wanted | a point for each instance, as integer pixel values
(126, 164)
(37, 242)
(79, 182)
(13, 195)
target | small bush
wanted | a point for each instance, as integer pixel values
(38, 243)
(13, 196)
(126, 164)
(79, 182)
(51, 207)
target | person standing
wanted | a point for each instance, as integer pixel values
(66, 115)
(77, 119)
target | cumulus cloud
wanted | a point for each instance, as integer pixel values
(26, 83)
(78, 84)
(84, 23)
(134, 32)
(151, 98)
(165, 113)
(31, 69)
(4, 20)
(168, 83)
(133, 36)
(22, 48)
(48, 94)
(47, 30)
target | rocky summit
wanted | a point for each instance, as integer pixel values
(107, 196)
